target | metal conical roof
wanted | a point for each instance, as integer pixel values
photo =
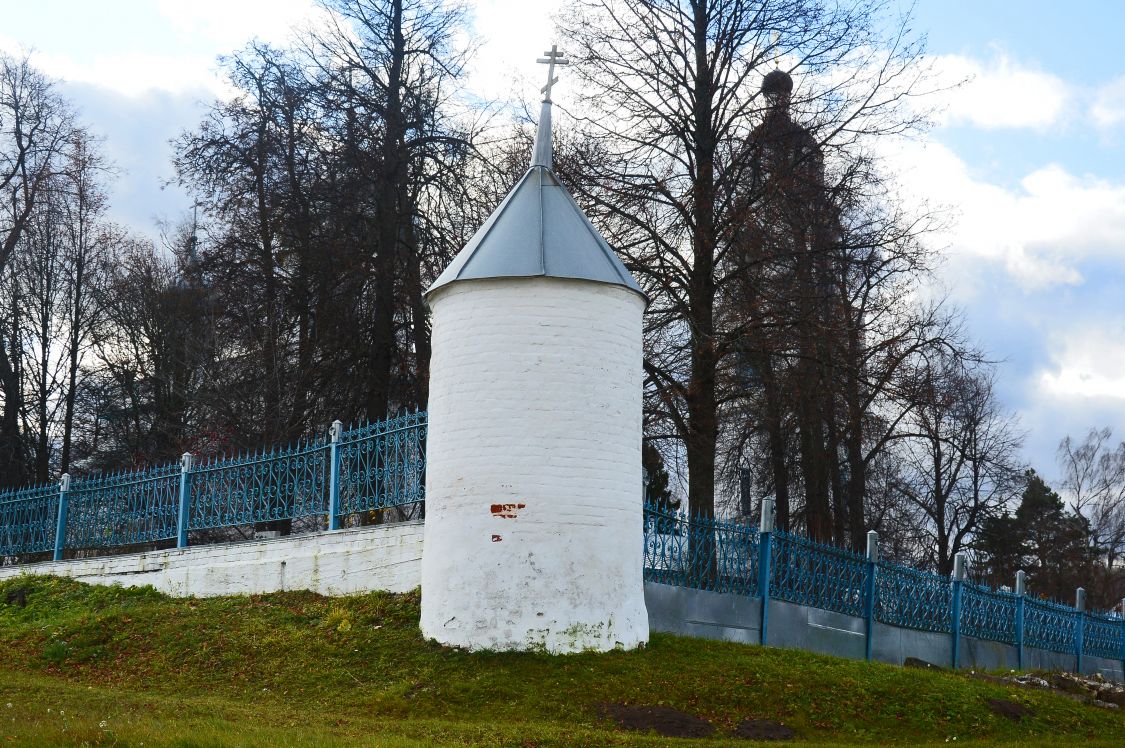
(538, 231)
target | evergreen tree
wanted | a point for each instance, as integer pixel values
(1002, 550)
(1051, 544)
(1058, 542)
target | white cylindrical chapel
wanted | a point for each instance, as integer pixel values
(533, 537)
(533, 516)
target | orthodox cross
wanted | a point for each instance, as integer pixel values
(553, 57)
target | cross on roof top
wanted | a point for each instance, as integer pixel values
(553, 57)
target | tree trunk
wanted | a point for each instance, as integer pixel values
(419, 318)
(701, 401)
(774, 425)
(853, 444)
(13, 471)
(72, 357)
(388, 233)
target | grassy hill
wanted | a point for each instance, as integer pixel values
(82, 665)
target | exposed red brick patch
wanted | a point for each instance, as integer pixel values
(496, 538)
(506, 511)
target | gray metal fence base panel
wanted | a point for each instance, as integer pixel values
(702, 614)
(737, 618)
(989, 655)
(1110, 669)
(1042, 659)
(815, 630)
(892, 644)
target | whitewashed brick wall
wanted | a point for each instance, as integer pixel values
(533, 490)
(386, 557)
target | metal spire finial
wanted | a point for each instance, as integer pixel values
(542, 155)
(776, 50)
(553, 57)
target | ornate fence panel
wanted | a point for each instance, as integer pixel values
(913, 599)
(820, 576)
(123, 509)
(1049, 625)
(989, 614)
(27, 520)
(383, 464)
(1103, 636)
(276, 485)
(705, 554)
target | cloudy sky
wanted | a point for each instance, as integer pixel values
(1028, 157)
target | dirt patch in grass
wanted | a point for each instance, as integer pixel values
(1009, 709)
(663, 720)
(763, 729)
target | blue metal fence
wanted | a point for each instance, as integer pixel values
(123, 509)
(816, 575)
(1049, 625)
(725, 556)
(381, 465)
(269, 486)
(912, 599)
(1102, 636)
(989, 614)
(27, 520)
(371, 467)
(702, 553)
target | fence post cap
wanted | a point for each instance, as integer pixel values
(960, 567)
(64, 482)
(336, 430)
(872, 545)
(186, 461)
(1080, 599)
(766, 522)
(1021, 582)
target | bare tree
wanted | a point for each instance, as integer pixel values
(89, 242)
(337, 179)
(1093, 477)
(389, 67)
(673, 94)
(37, 274)
(34, 125)
(959, 450)
(154, 345)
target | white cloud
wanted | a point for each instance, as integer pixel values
(128, 72)
(1087, 364)
(133, 74)
(231, 23)
(1038, 230)
(998, 94)
(512, 34)
(1108, 109)
(194, 34)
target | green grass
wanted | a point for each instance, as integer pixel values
(84, 665)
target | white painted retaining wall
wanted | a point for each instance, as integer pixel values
(385, 557)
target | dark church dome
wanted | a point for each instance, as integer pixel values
(777, 83)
